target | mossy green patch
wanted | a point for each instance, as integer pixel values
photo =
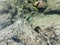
(44, 20)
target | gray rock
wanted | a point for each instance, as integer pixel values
(24, 33)
(5, 15)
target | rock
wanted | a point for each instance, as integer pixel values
(53, 5)
(23, 32)
(6, 15)
(38, 29)
(51, 23)
(5, 20)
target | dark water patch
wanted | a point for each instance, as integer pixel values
(52, 12)
(41, 10)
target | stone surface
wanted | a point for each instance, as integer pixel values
(53, 5)
(25, 26)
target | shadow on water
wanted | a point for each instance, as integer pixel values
(52, 12)
(41, 10)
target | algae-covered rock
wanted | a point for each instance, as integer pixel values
(49, 26)
(44, 20)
